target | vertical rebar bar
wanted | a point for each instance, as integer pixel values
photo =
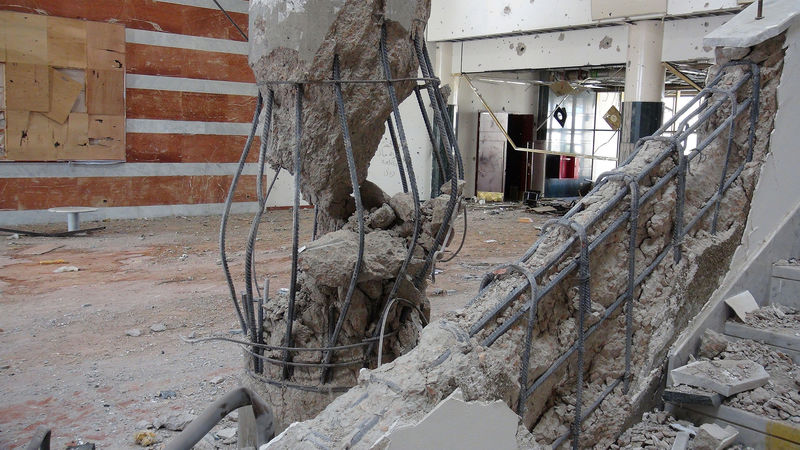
(351, 165)
(223, 226)
(397, 156)
(723, 176)
(295, 227)
(680, 198)
(401, 274)
(634, 225)
(429, 128)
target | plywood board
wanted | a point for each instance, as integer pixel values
(16, 129)
(2, 84)
(41, 139)
(105, 46)
(77, 131)
(3, 28)
(105, 92)
(94, 152)
(78, 75)
(63, 93)
(27, 87)
(26, 38)
(106, 128)
(66, 43)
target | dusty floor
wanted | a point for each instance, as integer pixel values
(65, 358)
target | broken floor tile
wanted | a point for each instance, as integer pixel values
(725, 376)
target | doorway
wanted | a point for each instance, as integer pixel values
(503, 173)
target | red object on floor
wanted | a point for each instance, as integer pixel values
(568, 167)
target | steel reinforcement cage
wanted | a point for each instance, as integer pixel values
(249, 309)
(688, 121)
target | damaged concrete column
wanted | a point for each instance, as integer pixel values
(297, 40)
(321, 333)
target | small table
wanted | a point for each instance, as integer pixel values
(73, 223)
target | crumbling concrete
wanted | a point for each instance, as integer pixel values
(711, 436)
(296, 42)
(446, 358)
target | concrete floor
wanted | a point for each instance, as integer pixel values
(66, 361)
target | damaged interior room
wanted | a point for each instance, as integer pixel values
(399, 224)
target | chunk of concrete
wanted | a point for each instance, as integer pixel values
(403, 206)
(711, 436)
(681, 441)
(712, 344)
(742, 303)
(727, 376)
(455, 423)
(688, 395)
(382, 218)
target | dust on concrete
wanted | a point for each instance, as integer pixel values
(447, 358)
(64, 352)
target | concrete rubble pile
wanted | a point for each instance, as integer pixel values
(446, 358)
(297, 41)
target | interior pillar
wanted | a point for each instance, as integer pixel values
(642, 110)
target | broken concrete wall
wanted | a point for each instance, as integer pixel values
(296, 41)
(447, 358)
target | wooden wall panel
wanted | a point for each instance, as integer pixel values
(3, 28)
(16, 129)
(190, 148)
(139, 14)
(34, 137)
(78, 130)
(43, 193)
(66, 43)
(171, 105)
(63, 93)
(105, 92)
(27, 87)
(105, 46)
(26, 38)
(180, 62)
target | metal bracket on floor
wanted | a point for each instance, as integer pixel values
(265, 424)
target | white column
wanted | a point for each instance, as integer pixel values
(644, 83)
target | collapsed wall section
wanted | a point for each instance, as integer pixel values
(449, 356)
(294, 48)
(296, 41)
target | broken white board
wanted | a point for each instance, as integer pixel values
(742, 303)
(456, 424)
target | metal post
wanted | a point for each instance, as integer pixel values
(73, 224)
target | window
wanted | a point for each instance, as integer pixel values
(585, 132)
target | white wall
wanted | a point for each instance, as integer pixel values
(469, 19)
(383, 168)
(683, 41)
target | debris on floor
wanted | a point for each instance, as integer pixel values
(145, 438)
(727, 377)
(711, 436)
